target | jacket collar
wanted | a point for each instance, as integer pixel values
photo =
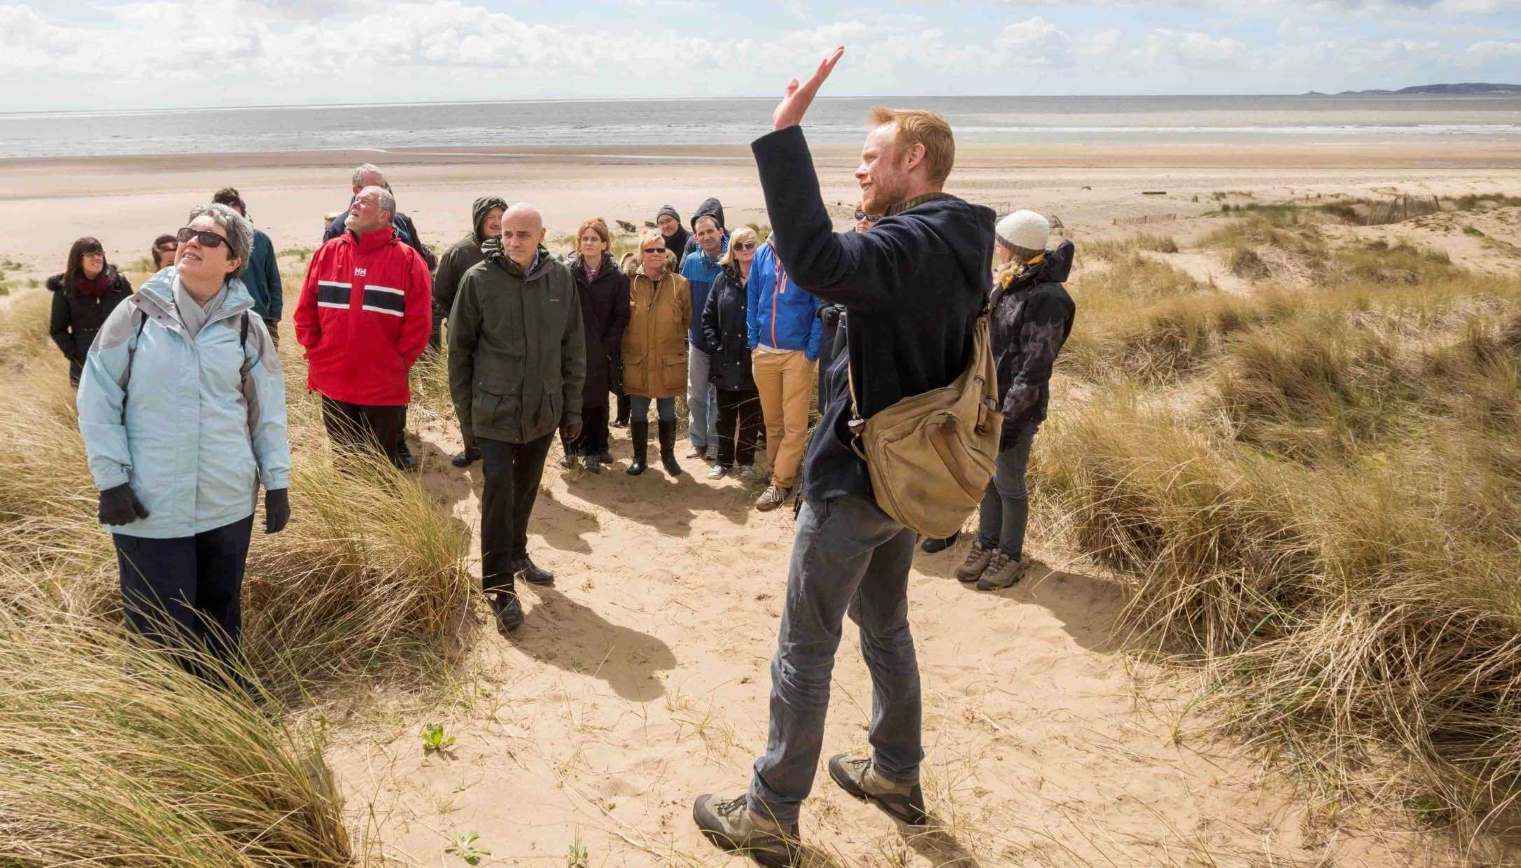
(372, 241)
(915, 202)
(541, 262)
(156, 298)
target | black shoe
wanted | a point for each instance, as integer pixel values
(639, 437)
(935, 546)
(508, 610)
(466, 458)
(902, 802)
(531, 572)
(404, 460)
(668, 447)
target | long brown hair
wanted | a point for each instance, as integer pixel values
(74, 271)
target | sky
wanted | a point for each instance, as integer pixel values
(83, 55)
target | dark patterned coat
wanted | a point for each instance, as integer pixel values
(1032, 317)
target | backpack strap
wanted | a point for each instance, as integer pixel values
(132, 343)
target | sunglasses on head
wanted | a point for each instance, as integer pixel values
(862, 215)
(745, 245)
(202, 237)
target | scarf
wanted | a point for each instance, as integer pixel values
(94, 287)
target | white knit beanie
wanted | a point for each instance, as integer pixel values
(1025, 230)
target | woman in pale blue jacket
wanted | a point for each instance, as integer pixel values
(182, 408)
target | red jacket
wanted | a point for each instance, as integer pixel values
(364, 318)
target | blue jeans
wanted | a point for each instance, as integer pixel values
(702, 401)
(1006, 502)
(848, 557)
(639, 408)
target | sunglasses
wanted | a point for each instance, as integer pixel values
(745, 245)
(862, 215)
(648, 250)
(202, 237)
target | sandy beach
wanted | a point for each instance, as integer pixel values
(640, 680)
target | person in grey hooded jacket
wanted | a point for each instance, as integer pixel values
(182, 409)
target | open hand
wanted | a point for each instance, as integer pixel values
(789, 112)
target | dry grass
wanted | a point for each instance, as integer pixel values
(115, 756)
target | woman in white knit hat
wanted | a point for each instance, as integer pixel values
(1031, 318)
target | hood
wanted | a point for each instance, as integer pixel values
(492, 248)
(55, 283)
(58, 283)
(478, 211)
(965, 228)
(1054, 268)
(710, 207)
(157, 295)
(633, 264)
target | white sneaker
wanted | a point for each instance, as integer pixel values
(772, 497)
(718, 472)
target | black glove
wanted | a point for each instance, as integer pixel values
(120, 505)
(276, 509)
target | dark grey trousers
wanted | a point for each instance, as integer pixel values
(847, 555)
(1006, 504)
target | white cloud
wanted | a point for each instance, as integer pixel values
(1037, 42)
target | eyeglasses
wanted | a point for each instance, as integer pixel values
(649, 250)
(862, 215)
(745, 245)
(202, 237)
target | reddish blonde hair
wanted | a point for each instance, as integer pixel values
(918, 127)
(598, 225)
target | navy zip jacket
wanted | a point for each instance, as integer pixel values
(912, 288)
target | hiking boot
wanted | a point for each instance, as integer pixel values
(976, 561)
(668, 447)
(772, 497)
(568, 460)
(639, 438)
(404, 460)
(857, 776)
(508, 611)
(1002, 572)
(935, 546)
(734, 828)
(592, 463)
(466, 458)
(718, 471)
(530, 572)
(605, 457)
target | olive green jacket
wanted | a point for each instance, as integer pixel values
(517, 349)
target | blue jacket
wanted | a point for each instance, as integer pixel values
(787, 319)
(204, 420)
(262, 278)
(700, 270)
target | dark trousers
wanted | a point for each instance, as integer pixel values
(848, 557)
(512, 472)
(739, 417)
(624, 406)
(186, 589)
(1006, 501)
(357, 426)
(594, 433)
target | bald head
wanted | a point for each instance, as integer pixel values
(522, 233)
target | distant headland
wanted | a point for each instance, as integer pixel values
(1462, 89)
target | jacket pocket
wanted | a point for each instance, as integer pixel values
(494, 411)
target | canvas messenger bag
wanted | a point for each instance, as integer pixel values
(930, 455)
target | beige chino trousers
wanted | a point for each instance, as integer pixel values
(785, 382)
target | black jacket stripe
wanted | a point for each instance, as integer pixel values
(379, 299)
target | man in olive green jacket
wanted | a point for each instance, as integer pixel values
(517, 364)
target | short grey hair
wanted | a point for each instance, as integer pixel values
(235, 226)
(365, 169)
(384, 198)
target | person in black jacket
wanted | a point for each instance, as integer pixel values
(725, 338)
(83, 296)
(603, 288)
(912, 288)
(1031, 318)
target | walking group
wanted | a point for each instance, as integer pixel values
(182, 400)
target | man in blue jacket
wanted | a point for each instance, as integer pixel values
(785, 335)
(262, 276)
(912, 288)
(701, 268)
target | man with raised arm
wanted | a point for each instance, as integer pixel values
(912, 288)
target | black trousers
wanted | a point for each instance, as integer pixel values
(358, 426)
(512, 472)
(594, 433)
(186, 589)
(739, 417)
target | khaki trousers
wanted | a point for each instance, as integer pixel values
(785, 383)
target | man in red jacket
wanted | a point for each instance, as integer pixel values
(363, 318)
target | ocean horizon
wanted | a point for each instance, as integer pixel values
(1027, 120)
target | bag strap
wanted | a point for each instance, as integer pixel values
(132, 343)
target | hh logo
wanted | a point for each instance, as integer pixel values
(359, 272)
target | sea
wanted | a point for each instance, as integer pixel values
(630, 123)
